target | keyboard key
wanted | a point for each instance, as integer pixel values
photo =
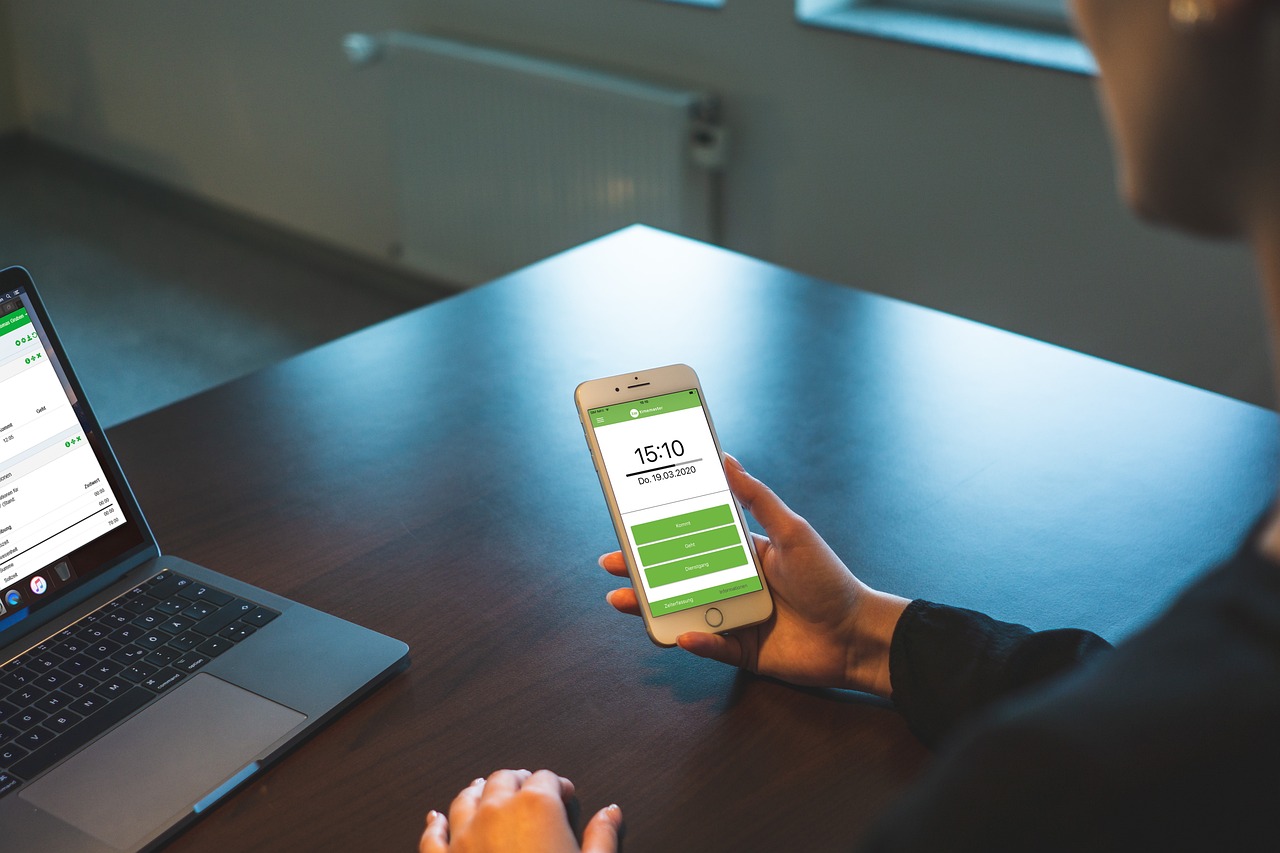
(152, 640)
(172, 606)
(198, 591)
(127, 634)
(18, 678)
(137, 605)
(149, 621)
(167, 586)
(187, 641)
(259, 617)
(236, 633)
(59, 723)
(45, 662)
(26, 695)
(158, 578)
(104, 649)
(138, 671)
(95, 632)
(215, 622)
(176, 624)
(78, 665)
(105, 669)
(8, 782)
(214, 646)
(27, 718)
(10, 754)
(70, 647)
(6, 712)
(130, 655)
(34, 738)
(52, 680)
(114, 687)
(191, 661)
(198, 610)
(242, 608)
(77, 687)
(162, 656)
(163, 679)
(115, 620)
(86, 705)
(7, 735)
(53, 702)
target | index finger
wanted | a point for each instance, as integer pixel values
(613, 563)
(758, 499)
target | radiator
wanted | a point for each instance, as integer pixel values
(502, 159)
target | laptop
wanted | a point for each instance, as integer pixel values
(136, 689)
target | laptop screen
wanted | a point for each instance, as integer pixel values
(62, 517)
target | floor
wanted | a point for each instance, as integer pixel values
(158, 298)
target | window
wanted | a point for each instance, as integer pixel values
(1034, 32)
(1050, 14)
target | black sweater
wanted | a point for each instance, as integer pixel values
(1048, 741)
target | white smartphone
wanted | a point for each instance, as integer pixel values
(687, 548)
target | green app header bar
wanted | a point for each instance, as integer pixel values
(9, 322)
(647, 408)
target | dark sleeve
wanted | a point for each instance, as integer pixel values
(1170, 742)
(946, 663)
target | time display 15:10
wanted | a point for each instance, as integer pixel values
(673, 449)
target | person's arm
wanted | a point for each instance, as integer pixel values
(1169, 742)
(947, 663)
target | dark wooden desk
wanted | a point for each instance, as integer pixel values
(426, 477)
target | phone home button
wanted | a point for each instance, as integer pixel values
(714, 617)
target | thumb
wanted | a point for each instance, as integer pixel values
(724, 648)
(602, 831)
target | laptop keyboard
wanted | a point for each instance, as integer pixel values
(63, 693)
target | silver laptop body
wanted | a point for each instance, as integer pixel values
(136, 690)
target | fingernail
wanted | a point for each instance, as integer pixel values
(479, 781)
(600, 560)
(732, 461)
(432, 815)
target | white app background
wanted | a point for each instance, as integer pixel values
(640, 501)
(53, 493)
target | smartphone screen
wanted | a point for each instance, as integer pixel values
(683, 530)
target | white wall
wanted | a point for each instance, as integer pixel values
(978, 187)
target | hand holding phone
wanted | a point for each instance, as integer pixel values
(828, 628)
(684, 540)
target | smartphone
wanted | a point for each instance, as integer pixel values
(687, 548)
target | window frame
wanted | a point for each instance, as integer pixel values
(985, 28)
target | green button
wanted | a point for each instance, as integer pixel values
(688, 546)
(693, 567)
(690, 522)
(704, 596)
(12, 321)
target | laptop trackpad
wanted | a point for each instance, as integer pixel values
(161, 762)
